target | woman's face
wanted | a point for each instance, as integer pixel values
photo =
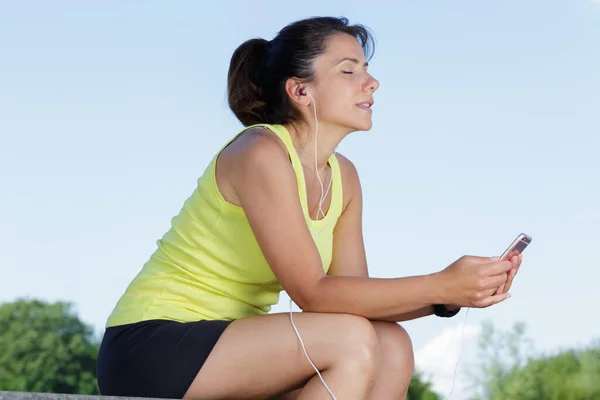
(342, 88)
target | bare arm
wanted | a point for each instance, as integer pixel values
(420, 313)
(265, 184)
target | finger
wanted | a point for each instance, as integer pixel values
(508, 256)
(495, 281)
(498, 290)
(519, 260)
(489, 292)
(490, 301)
(513, 272)
(512, 255)
(497, 267)
(480, 260)
(509, 280)
(502, 289)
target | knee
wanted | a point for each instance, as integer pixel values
(397, 349)
(360, 344)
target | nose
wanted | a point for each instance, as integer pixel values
(371, 85)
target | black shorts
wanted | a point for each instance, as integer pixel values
(155, 358)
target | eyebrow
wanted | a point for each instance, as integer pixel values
(354, 60)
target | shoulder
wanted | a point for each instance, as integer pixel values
(255, 144)
(258, 154)
(347, 167)
(350, 179)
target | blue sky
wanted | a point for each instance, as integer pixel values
(486, 124)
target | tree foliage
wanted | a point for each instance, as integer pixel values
(46, 348)
(419, 389)
(509, 369)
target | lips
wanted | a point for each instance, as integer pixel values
(365, 105)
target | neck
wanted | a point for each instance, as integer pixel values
(327, 141)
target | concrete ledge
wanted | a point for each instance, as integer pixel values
(56, 396)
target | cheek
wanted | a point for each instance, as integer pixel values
(338, 102)
(341, 109)
(335, 106)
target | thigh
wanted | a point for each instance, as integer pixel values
(261, 356)
(291, 395)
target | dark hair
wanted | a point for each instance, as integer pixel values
(259, 69)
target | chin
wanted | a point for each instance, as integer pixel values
(354, 126)
(364, 126)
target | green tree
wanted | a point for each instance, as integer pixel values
(500, 354)
(509, 369)
(419, 389)
(46, 348)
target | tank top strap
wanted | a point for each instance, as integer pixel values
(283, 134)
(336, 206)
(337, 195)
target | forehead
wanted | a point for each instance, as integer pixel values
(340, 46)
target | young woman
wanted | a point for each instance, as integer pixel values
(277, 208)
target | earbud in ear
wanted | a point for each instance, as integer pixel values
(302, 92)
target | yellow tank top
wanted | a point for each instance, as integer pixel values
(209, 265)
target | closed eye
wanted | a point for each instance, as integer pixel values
(348, 72)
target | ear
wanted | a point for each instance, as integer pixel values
(293, 88)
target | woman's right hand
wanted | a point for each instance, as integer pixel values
(473, 281)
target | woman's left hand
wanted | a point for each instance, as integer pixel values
(516, 259)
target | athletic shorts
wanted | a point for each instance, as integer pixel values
(156, 358)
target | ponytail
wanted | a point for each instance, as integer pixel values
(244, 82)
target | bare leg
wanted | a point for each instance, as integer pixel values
(261, 357)
(395, 362)
(292, 395)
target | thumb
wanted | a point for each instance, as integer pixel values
(483, 260)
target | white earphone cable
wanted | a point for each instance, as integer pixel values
(320, 210)
(462, 336)
(323, 195)
(306, 353)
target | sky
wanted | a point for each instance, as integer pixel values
(486, 124)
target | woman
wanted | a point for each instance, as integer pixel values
(277, 209)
